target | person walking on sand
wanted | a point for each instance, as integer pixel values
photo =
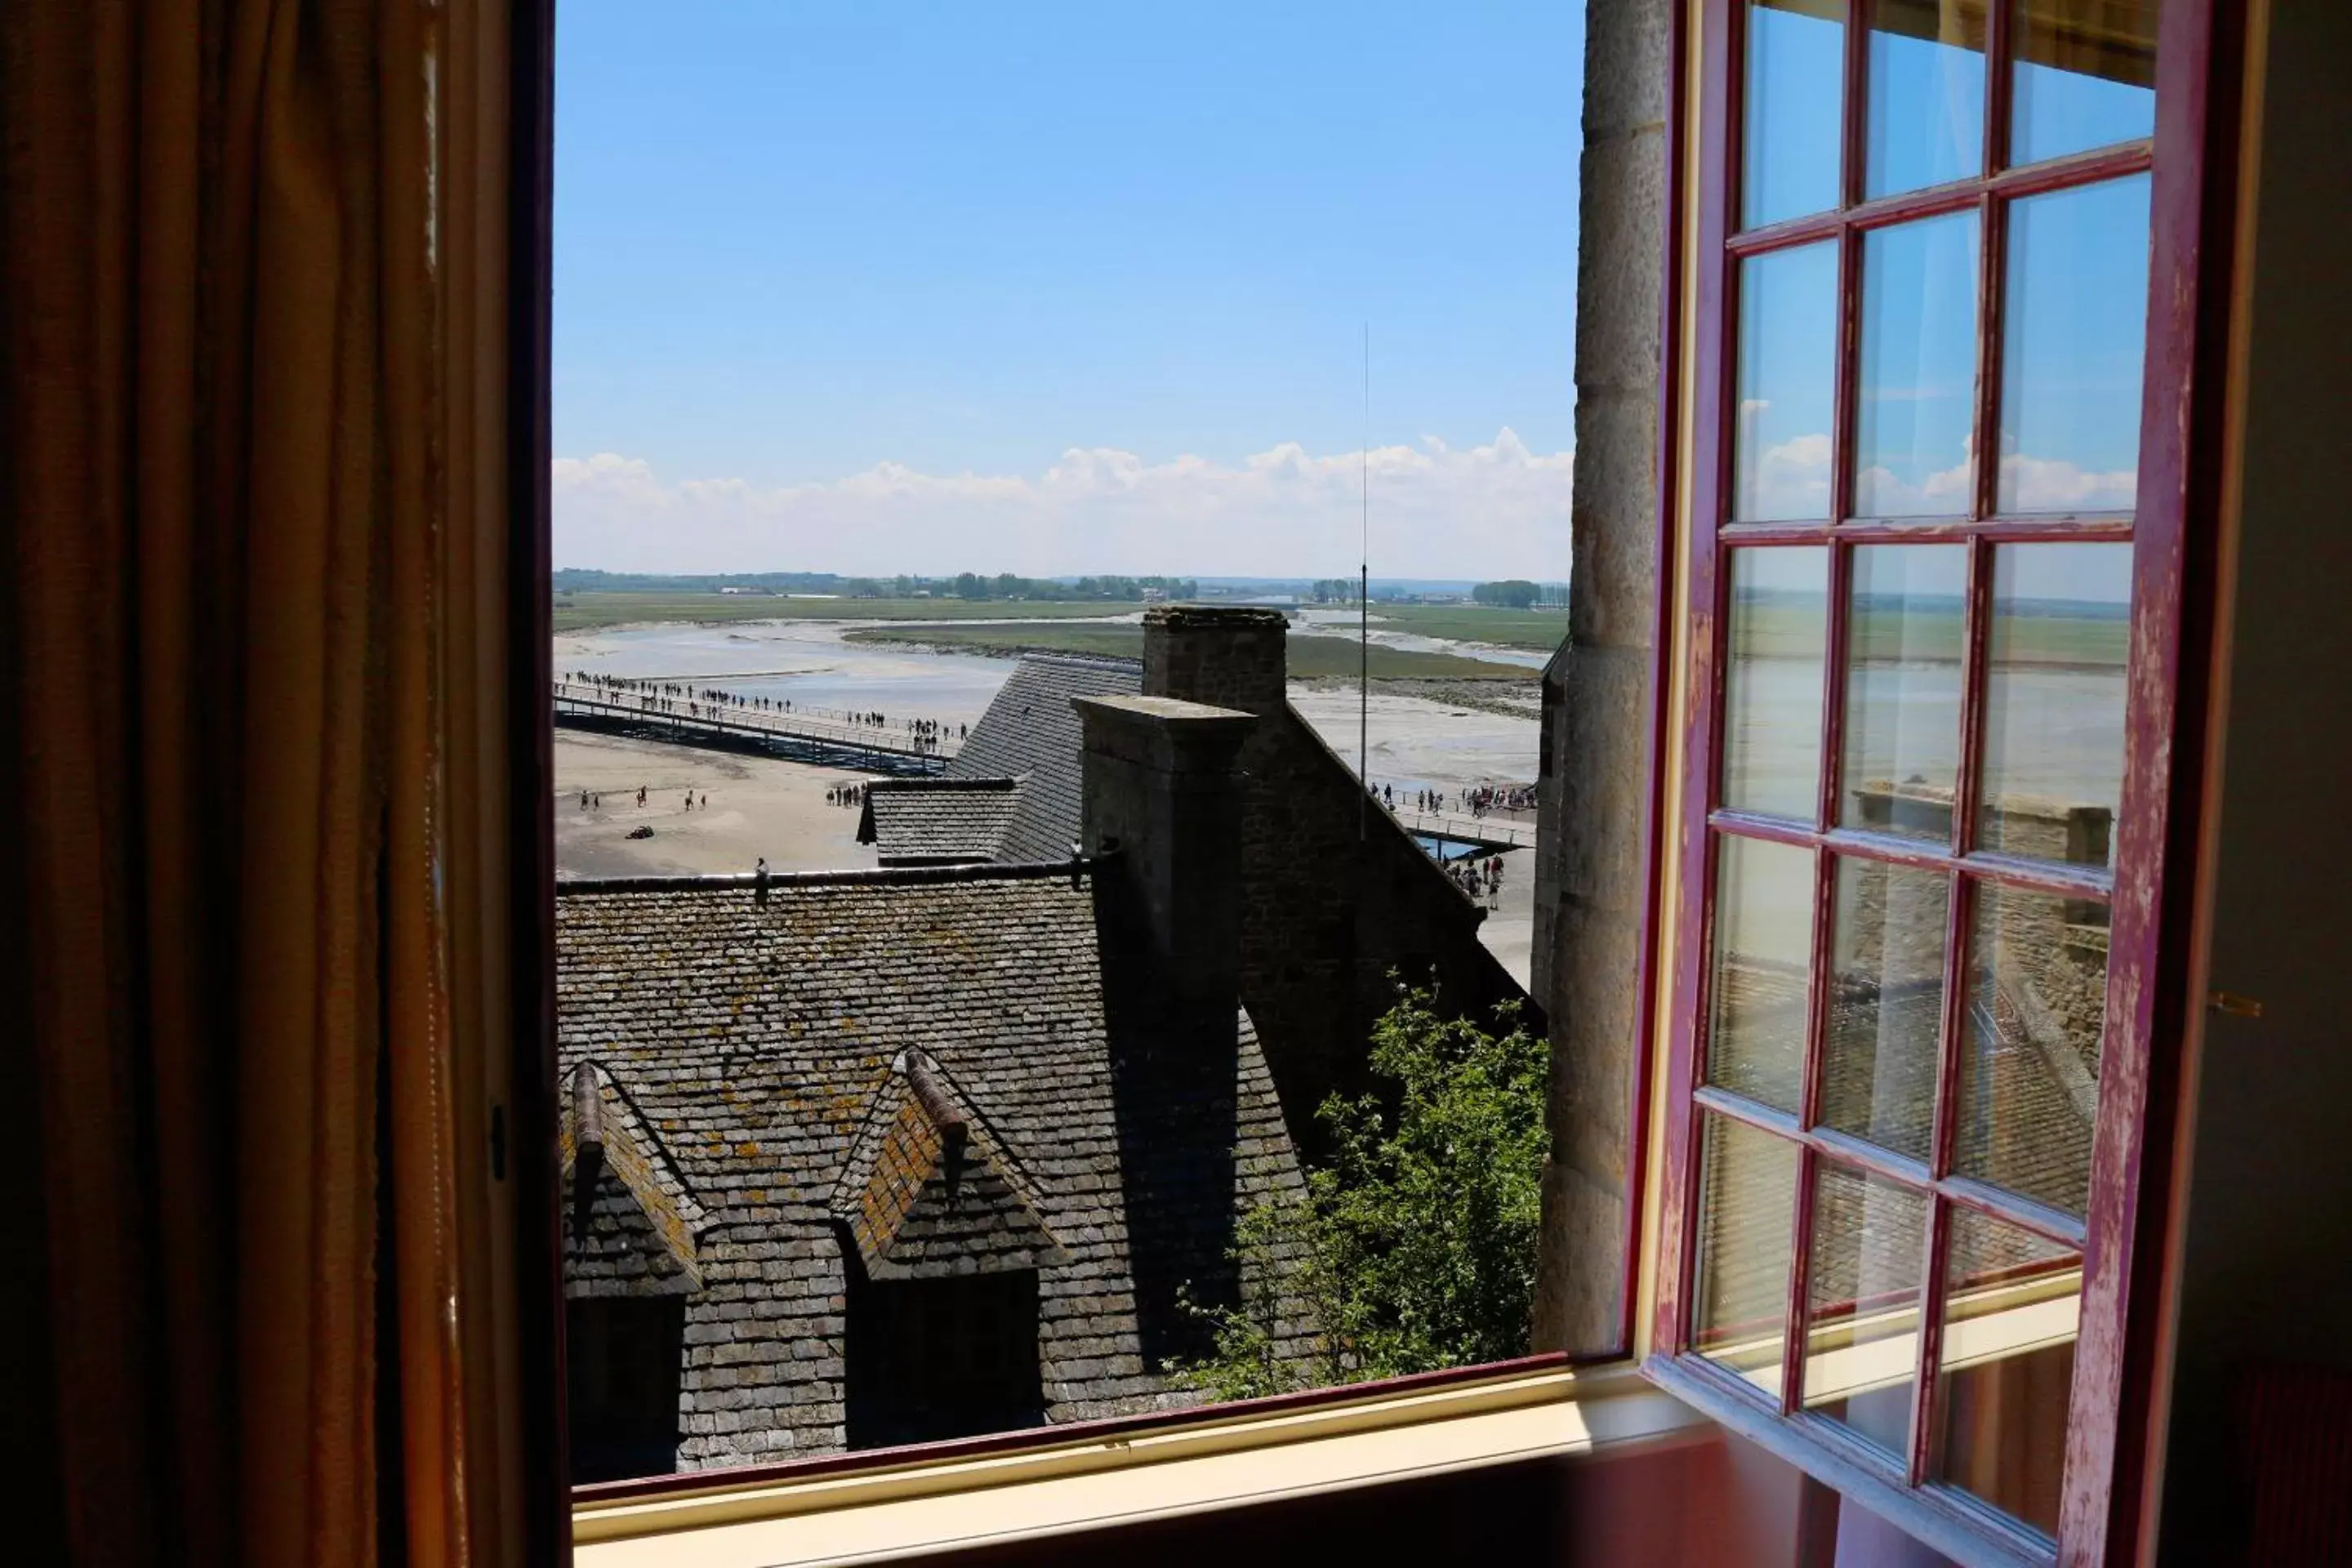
(689, 800)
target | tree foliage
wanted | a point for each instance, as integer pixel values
(1511, 594)
(1414, 1247)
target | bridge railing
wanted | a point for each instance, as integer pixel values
(658, 707)
(1464, 827)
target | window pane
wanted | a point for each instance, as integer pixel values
(1795, 91)
(1886, 1005)
(2054, 693)
(1747, 1197)
(2085, 76)
(2072, 342)
(1788, 381)
(1862, 1303)
(1926, 93)
(2029, 1081)
(1918, 369)
(2007, 1367)
(1763, 946)
(1773, 691)
(1904, 655)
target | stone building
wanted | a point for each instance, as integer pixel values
(869, 1157)
(1337, 895)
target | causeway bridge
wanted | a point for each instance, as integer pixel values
(1463, 827)
(828, 740)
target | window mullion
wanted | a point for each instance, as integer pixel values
(1843, 410)
(1992, 250)
(1916, 1459)
(1996, 95)
(1801, 1268)
(1856, 144)
(1959, 911)
(1975, 633)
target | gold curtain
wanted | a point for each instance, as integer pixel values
(235, 583)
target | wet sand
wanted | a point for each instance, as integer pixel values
(758, 807)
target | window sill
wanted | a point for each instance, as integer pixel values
(1064, 1484)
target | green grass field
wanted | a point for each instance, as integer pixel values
(587, 611)
(1796, 631)
(1540, 630)
(1310, 656)
(578, 612)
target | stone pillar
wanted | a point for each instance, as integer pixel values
(1162, 794)
(1591, 878)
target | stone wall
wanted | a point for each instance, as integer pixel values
(1335, 896)
(1591, 878)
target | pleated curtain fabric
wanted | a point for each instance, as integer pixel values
(226, 986)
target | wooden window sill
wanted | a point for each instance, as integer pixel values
(1065, 1486)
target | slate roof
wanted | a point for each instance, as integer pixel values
(1031, 733)
(757, 1052)
(939, 821)
(926, 1190)
(642, 1230)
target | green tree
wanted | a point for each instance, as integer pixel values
(1511, 594)
(1414, 1247)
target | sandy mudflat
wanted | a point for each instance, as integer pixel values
(1509, 929)
(758, 807)
(778, 809)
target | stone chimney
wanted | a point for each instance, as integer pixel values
(1162, 794)
(1232, 655)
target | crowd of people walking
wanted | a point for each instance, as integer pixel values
(593, 800)
(1481, 879)
(1476, 801)
(714, 703)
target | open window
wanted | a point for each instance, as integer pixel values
(1921, 783)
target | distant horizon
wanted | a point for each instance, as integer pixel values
(1418, 584)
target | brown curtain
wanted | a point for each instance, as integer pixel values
(221, 706)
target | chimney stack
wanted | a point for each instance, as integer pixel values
(1162, 793)
(1234, 656)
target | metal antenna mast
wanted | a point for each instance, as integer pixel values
(1364, 616)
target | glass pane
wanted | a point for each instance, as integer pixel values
(2029, 1081)
(1886, 1005)
(1747, 1198)
(1926, 93)
(1904, 664)
(1763, 948)
(1788, 382)
(1773, 691)
(2085, 76)
(1916, 411)
(1862, 1303)
(2055, 663)
(2007, 1369)
(1794, 92)
(2071, 347)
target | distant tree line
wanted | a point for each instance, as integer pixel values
(1510, 593)
(963, 586)
(1007, 586)
(1335, 590)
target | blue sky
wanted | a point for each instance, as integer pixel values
(833, 280)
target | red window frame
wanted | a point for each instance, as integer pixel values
(2154, 827)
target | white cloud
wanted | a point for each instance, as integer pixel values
(1791, 480)
(1438, 510)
